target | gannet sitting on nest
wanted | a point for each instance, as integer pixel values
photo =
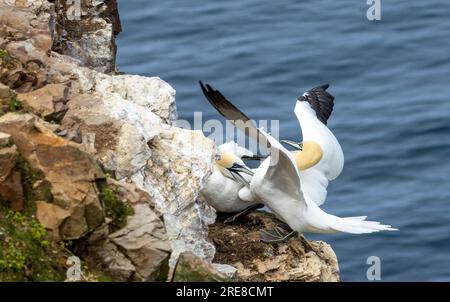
(229, 176)
(278, 181)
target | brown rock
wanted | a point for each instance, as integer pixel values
(111, 13)
(108, 129)
(144, 241)
(10, 181)
(51, 217)
(70, 172)
(47, 100)
(111, 261)
(25, 35)
(5, 139)
(24, 22)
(130, 193)
(140, 250)
(5, 92)
(191, 268)
(8, 158)
(11, 190)
(297, 260)
(89, 37)
(16, 74)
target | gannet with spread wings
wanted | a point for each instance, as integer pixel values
(293, 185)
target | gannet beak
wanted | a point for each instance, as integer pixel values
(237, 168)
(295, 145)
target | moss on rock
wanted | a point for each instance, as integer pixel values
(35, 187)
(3, 53)
(115, 209)
(191, 268)
(14, 105)
(26, 254)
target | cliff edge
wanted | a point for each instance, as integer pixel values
(92, 166)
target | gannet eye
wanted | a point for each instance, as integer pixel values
(236, 166)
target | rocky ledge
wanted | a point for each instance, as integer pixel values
(92, 165)
(238, 245)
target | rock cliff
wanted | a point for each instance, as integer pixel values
(92, 165)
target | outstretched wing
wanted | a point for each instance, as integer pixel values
(320, 100)
(314, 185)
(282, 174)
(315, 179)
(233, 114)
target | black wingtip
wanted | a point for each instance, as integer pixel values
(204, 90)
(320, 100)
(324, 86)
(209, 87)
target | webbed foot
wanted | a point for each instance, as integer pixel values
(280, 234)
(242, 213)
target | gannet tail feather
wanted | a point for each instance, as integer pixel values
(356, 225)
(322, 222)
(357, 217)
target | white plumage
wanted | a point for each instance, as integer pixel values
(315, 180)
(277, 183)
(294, 185)
(221, 190)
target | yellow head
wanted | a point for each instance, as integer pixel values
(232, 166)
(228, 159)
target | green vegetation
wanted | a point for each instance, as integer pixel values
(14, 105)
(105, 278)
(26, 254)
(12, 258)
(3, 53)
(31, 176)
(115, 209)
(35, 229)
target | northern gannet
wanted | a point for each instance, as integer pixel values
(281, 182)
(229, 176)
(319, 157)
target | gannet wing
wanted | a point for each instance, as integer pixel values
(282, 179)
(314, 185)
(233, 114)
(320, 100)
(282, 174)
(315, 180)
